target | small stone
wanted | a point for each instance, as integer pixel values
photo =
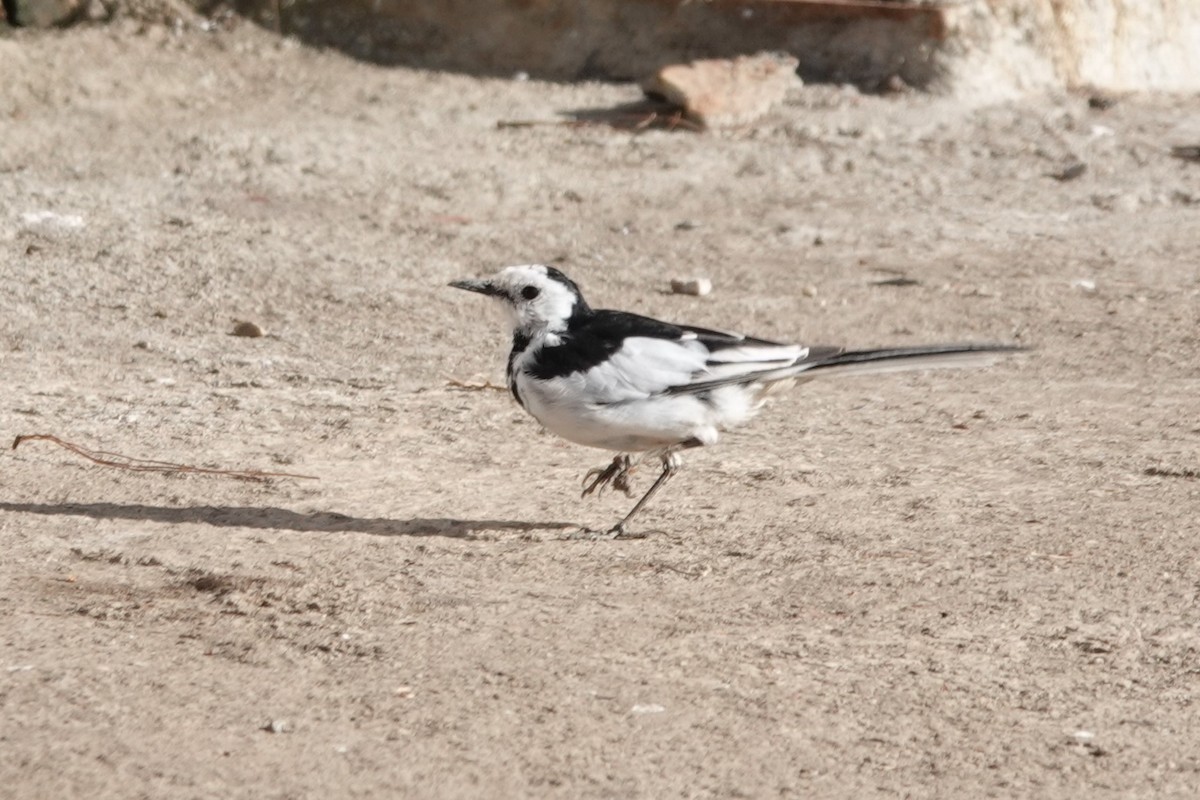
(276, 726)
(697, 287)
(809, 291)
(247, 329)
(720, 92)
(647, 708)
(1084, 284)
(1070, 172)
(1122, 202)
(49, 222)
(96, 11)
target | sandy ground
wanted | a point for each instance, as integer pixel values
(977, 584)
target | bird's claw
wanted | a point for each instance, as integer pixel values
(619, 531)
(615, 474)
(615, 532)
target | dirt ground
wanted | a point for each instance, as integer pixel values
(954, 584)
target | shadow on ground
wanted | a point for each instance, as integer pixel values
(283, 519)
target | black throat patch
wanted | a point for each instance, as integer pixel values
(519, 345)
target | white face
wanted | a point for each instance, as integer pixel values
(536, 298)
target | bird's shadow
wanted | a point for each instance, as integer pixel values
(270, 518)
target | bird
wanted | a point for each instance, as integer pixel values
(639, 386)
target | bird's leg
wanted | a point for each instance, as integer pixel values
(671, 464)
(616, 473)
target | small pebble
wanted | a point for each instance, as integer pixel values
(697, 287)
(276, 726)
(1084, 284)
(1070, 172)
(42, 221)
(95, 11)
(647, 708)
(809, 291)
(1123, 202)
(247, 329)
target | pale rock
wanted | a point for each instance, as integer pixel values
(723, 92)
(698, 287)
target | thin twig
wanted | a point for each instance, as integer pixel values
(668, 121)
(118, 461)
(1163, 472)
(639, 120)
(475, 387)
(532, 123)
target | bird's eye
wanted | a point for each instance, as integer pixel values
(530, 292)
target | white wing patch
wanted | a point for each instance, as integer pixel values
(750, 362)
(644, 367)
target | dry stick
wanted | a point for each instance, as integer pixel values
(118, 461)
(633, 121)
(531, 123)
(475, 387)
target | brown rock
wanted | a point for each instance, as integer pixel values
(720, 92)
(247, 329)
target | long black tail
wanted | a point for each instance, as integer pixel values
(902, 359)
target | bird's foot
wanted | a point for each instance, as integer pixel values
(615, 474)
(615, 532)
(619, 531)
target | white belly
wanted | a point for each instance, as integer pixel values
(623, 402)
(635, 424)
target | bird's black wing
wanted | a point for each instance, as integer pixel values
(593, 338)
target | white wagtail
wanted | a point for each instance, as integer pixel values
(624, 382)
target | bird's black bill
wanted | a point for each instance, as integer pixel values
(480, 286)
